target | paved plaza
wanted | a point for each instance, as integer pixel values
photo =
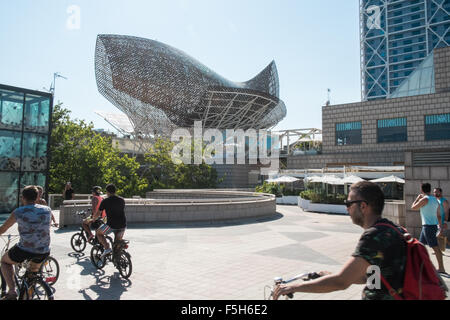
(231, 260)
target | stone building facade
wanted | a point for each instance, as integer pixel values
(369, 152)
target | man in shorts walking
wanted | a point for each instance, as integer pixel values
(445, 207)
(115, 218)
(34, 229)
(430, 213)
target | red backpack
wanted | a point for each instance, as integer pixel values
(421, 281)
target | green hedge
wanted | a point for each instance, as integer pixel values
(322, 197)
(272, 188)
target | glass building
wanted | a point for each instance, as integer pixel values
(396, 37)
(420, 81)
(25, 118)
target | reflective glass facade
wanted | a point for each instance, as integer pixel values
(396, 36)
(348, 133)
(24, 139)
(437, 127)
(392, 130)
(421, 81)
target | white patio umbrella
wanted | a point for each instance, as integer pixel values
(314, 179)
(389, 179)
(352, 179)
(332, 180)
(286, 179)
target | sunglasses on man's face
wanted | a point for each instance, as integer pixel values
(349, 203)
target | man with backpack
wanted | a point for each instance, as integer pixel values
(383, 259)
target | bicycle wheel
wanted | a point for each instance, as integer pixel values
(124, 264)
(49, 270)
(78, 242)
(36, 289)
(96, 252)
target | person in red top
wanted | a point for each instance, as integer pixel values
(96, 200)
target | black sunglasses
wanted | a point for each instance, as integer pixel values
(348, 203)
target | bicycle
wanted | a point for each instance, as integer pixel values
(278, 280)
(79, 240)
(31, 286)
(49, 270)
(118, 256)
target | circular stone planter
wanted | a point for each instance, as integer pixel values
(184, 206)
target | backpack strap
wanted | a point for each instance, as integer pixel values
(391, 290)
(392, 227)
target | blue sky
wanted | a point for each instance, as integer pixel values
(315, 45)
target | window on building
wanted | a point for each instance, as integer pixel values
(348, 133)
(392, 130)
(437, 127)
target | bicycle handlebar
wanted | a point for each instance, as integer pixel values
(304, 276)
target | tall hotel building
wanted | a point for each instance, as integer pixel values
(403, 120)
(396, 38)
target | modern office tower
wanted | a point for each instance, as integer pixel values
(396, 37)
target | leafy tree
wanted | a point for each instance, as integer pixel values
(163, 173)
(84, 157)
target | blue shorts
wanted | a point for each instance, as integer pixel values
(428, 235)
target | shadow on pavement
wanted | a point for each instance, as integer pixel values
(106, 287)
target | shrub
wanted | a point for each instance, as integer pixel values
(272, 188)
(322, 197)
(289, 192)
(306, 194)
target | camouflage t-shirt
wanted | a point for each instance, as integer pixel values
(34, 228)
(383, 247)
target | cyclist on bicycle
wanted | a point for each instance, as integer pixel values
(379, 246)
(34, 229)
(115, 217)
(96, 213)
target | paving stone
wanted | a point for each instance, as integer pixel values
(223, 260)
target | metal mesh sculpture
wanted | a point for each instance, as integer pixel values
(161, 88)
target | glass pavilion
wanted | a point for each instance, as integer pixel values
(25, 126)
